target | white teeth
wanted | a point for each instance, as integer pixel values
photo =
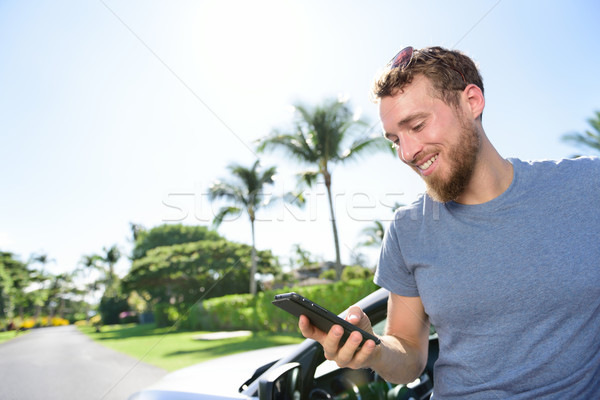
(427, 164)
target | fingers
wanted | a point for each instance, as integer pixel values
(310, 331)
(355, 358)
(349, 355)
(329, 340)
(331, 343)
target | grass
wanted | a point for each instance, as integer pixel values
(4, 336)
(176, 349)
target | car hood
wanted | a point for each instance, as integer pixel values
(219, 378)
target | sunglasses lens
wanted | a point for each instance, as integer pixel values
(403, 58)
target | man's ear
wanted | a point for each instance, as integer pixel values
(475, 100)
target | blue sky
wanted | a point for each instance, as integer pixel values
(114, 112)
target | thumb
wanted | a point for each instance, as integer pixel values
(356, 316)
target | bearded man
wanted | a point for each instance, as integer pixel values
(501, 255)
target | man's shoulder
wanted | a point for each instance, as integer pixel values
(561, 163)
(416, 211)
(564, 168)
(563, 177)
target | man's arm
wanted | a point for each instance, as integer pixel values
(402, 354)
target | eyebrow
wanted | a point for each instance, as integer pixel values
(407, 121)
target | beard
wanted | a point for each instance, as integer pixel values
(462, 157)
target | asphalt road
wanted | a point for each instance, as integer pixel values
(62, 363)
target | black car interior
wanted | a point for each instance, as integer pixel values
(322, 379)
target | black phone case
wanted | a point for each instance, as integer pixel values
(320, 317)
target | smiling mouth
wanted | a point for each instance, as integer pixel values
(427, 164)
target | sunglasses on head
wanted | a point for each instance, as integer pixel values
(404, 57)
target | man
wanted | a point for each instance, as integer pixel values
(502, 256)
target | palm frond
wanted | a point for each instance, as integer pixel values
(227, 191)
(374, 234)
(367, 145)
(295, 198)
(588, 138)
(308, 178)
(245, 191)
(112, 254)
(224, 212)
(296, 145)
(90, 261)
(266, 178)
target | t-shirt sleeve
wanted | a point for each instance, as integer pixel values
(392, 273)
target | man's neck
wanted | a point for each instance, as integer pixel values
(491, 177)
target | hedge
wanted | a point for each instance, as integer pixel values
(256, 313)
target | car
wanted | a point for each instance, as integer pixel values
(292, 372)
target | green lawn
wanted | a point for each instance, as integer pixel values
(175, 350)
(4, 336)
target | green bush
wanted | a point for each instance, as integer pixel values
(356, 272)
(161, 314)
(182, 315)
(329, 274)
(256, 313)
(110, 307)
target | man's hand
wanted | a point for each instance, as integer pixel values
(348, 355)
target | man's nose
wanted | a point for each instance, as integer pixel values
(408, 148)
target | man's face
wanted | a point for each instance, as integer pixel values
(434, 139)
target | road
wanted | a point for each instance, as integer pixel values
(62, 363)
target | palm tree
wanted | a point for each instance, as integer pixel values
(41, 296)
(105, 264)
(373, 234)
(246, 191)
(588, 138)
(90, 261)
(61, 285)
(322, 136)
(111, 257)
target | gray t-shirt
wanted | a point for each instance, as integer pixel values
(512, 286)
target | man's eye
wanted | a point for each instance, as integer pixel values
(419, 127)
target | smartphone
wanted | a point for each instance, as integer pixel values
(320, 317)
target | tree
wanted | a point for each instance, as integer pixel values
(60, 289)
(111, 257)
(246, 191)
(105, 264)
(40, 296)
(373, 234)
(589, 138)
(90, 262)
(302, 257)
(14, 279)
(113, 301)
(322, 136)
(183, 273)
(42, 259)
(167, 235)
